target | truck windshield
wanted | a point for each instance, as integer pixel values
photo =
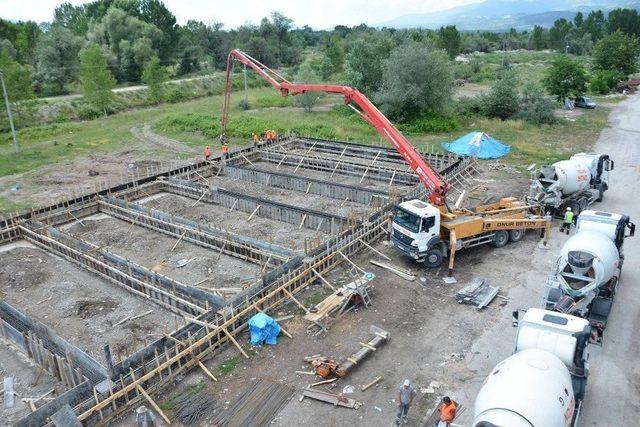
(407, 220)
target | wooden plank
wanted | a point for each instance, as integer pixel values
(323, 382)
(204, 193)
(176, 243)
(374, 249)
(351, 262)
(370, 347)
(156, 407)
(371, 384)
(253, 213)
(233, 340)
(294, 299)
(206, 371)
(322, 279)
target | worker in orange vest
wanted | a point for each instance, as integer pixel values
(256, 139)
(225, 150)
(207, 153)
(274, 135)
(447, 409)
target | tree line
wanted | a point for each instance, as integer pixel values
(99, 44)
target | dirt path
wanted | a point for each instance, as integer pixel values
(146, 135)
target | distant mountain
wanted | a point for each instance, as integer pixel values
(505, 14)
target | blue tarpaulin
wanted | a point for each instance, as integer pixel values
(263, 329)
(477, 144)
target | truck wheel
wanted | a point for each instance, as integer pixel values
(516, 235)
(433, 259)
(500, 239)
(582, 204)
(575, 208)
(600, 193)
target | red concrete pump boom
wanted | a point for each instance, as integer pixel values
(369, 112)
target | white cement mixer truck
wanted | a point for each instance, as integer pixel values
(542, 384)
(575, 183)
(588, 268)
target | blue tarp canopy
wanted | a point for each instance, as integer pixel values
(263, 329)
(477, 144)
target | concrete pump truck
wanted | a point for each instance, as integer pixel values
(426, 230)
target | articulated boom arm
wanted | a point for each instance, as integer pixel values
(369, 112)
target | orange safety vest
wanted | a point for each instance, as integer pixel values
(448, 412)
(225, 148)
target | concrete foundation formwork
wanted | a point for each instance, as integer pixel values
(377, 180)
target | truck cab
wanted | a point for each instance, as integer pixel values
(416, 232)
(612, 225)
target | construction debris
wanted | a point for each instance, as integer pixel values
(478, 293)
(257, 405)
(340, 302)
(371, 384)
(334, 399)
(326, 367)
(396, 270)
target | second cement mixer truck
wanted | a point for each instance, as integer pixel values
(542, 384)
(588, 268)
(575, 183)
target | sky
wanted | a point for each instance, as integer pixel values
(319, 14)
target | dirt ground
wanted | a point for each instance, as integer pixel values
(28, 382)
(431, 335)
(295, 198)
(153, 250)
(76, 304)
(337, 177)
(60, 180)
(268, 230)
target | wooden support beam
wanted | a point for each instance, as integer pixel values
(374, 249)
(323, 382)
(281, 160)
(299, 163)
(371, 384)
(175, 340)
(156, 407)
(302, 222)
(322, 279)
(249, 161)
(233, 205)
(178, 241)
(253, 213)
(206, 371)
(294, 299)
(393, 175)
(204, 193)
(233, 340)
(281, 328)
(351, 262)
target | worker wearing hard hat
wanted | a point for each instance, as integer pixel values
(404, 399)
(567, 221)
(447, 409)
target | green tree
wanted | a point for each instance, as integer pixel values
(558, 34)
(602, 81)
(362, 72)
(617, 52)
(417, 80)
(72, 17)
(502, 99)
(625, 20)
(335, 52)
(17, 79)
(326, 68)
(566, 77)
(535, 107)
(538, 38)
(449, 39)
(97, 81)
(307, 100)
(57, 59)
(154, 76)
(579, 44)
(595, 24)
(578, 20)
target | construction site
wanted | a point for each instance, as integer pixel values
(298, 280)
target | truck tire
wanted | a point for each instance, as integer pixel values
(500, 239)
(575, 208)
(600, 193)
(433, 259)
(516, 235)
(582, 203)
